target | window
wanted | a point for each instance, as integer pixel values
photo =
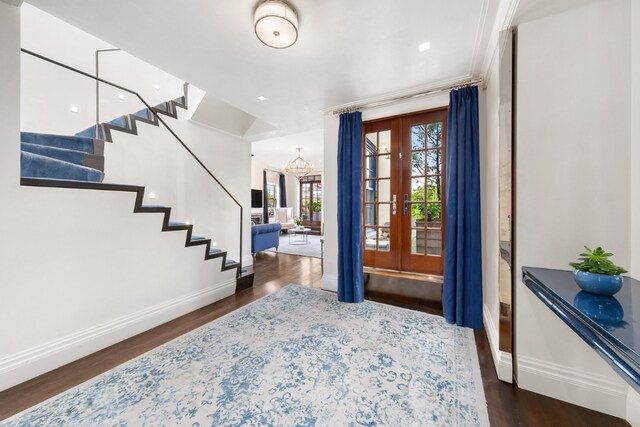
(311, 200)
(273, 194)
(272, 200)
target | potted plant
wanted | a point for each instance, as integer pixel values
(298, 222)
(596, 273)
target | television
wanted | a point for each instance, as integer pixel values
(256, 198)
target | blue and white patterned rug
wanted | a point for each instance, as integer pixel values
(294, 358)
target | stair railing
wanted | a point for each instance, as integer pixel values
(98, 52)
(160, 120)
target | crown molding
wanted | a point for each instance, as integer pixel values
(399, 93)
(504, 19)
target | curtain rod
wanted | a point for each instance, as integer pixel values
(452, 86)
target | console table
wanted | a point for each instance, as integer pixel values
(610, 325)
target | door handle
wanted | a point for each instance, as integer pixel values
(394, 204)
(406, 204)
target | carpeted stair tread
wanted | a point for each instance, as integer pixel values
(155, 207)
(76, 143)
(90, 132)
(196, 238)
(37, 166)
(177, 224)
(121, 122)
(71, 156)
(214, 251)
(229, 262)
(162, 107)
(144, 113)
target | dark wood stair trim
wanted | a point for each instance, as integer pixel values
(138, 208)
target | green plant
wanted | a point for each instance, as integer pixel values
(433, 209)
(597, 261)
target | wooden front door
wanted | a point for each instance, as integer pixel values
(403, 198)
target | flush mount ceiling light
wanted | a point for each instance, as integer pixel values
(276, 24)
(298, 167)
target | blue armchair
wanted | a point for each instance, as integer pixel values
(265, 236)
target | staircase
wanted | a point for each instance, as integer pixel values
(77, 161)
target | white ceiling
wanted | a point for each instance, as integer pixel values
(348, 50)
(275, 152)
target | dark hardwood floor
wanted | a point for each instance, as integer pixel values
(508, 405)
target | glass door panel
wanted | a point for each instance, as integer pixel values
(380, 187)
(311, 200)
(423, 179)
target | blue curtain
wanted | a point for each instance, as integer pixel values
(462, 288)
(283, 191)
(265, 199)
(350, 263)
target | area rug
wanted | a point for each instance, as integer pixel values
(312, 249)
(295, 358)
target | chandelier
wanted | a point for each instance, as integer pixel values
(298, 167)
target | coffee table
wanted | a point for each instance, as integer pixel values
(301, 236)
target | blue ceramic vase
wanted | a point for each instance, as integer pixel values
(600, 284)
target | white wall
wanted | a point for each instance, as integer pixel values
(155, 159)
(489, 158)
(49, 91)
(79, 270)
(573, 135)
(292, 184)
(635, 141)
(330, 186)
(633, 398)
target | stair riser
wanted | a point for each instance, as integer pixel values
(34, 166)
(71, 156)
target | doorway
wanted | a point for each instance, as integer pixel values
(403, 192)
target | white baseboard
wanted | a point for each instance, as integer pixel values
(22, 366)
(501, 359)
(329, 282)
(247, 260)
(633, 408)
(583, 388)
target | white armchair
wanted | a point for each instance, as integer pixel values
(285, 217)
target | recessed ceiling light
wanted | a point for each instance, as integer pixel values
(424, 47)
(157, 87)
(262, 98)
(120, 96)
(74, 109)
